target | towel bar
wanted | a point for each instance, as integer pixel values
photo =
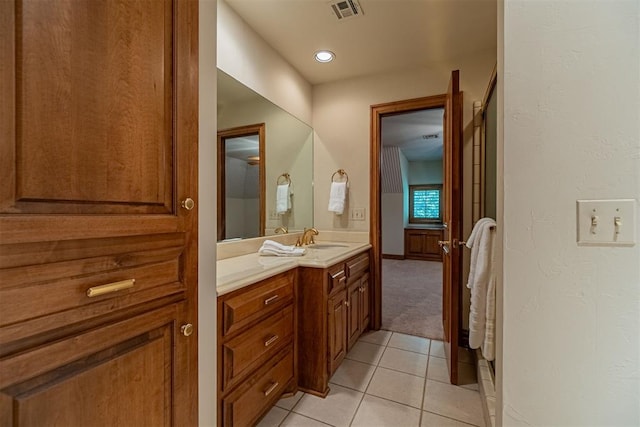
(287, 179)
(340, 172)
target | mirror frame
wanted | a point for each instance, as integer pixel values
(223, 135)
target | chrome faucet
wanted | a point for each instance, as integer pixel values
(283, 230)
(307, 237)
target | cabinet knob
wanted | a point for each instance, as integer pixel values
(187, 329)
(346, 303)
(188, 203)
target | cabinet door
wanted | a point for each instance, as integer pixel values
(117, 375)
(98, 147)
(365, 303)
(353, 313)
(337, 330)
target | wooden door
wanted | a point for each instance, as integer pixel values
(353, 313)
(98, 154)
(337, 330)
(452, 217)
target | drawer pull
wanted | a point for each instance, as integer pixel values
(273, 386)
(110, 287)
(271, 340)
(270, 299)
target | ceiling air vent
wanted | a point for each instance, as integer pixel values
(346, 9)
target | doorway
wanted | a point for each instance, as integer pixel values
(452, 210)
(411, 215)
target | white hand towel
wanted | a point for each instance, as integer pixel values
(337, 197)
(269, 247)
(283, 200)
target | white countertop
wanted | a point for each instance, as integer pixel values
(237, 272)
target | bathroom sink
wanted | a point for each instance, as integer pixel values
(328, 246)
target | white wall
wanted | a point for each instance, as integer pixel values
(206, 206)
(246, 57)
(425, 172)
(341, 120)
(571, 315)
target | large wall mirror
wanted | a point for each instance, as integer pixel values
(259, 144)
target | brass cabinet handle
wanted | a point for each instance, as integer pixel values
(273, 386)
(270, 299)
(271, 340)
(188, 203)
(186, 329)
(346, 303)
(96, 291)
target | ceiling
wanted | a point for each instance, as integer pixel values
(389, 35)
(418, 134)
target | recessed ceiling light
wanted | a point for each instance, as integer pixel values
(324, 56)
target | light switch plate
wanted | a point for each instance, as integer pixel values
(597, 222)
(357, 214)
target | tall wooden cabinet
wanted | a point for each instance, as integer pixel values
(98, 230)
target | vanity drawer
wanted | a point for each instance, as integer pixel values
(256, 395)
(246, 305)
(337, 278)
(358, 265)
(251, 348)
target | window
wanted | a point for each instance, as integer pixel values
(425, 203)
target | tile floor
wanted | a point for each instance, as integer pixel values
(388, 379)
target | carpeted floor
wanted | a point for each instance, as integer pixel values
(412, 297)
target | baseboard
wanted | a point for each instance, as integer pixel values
(392, 256)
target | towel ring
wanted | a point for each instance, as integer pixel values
(287, 179)
(342, 174)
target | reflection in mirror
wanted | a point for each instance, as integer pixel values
(241, 189)
(287, 149)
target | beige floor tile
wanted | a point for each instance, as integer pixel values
(438, 369)
(353, 374)
(374, 411)
(297, 420)
(289, 402)
(404, 361)
(273, 418)
(380, 337)
(434, 420)
(453, 402)
(437, 349)
(365, 352)
(337, 409)
(472, 386)
(409, 343)
(397, 386)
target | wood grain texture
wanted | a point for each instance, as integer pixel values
(452, 304)
(257, 350)
(423, 244)
(101, 147)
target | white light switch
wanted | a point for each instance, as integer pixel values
(607, 222)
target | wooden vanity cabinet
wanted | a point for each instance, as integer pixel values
(256, 349)
(334, 304)
(423, 243)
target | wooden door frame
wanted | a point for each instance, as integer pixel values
(223, 135)
(375, 231)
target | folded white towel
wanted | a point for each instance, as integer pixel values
(283, 198)
(481, 275)
(270, 247)
(337, 197)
